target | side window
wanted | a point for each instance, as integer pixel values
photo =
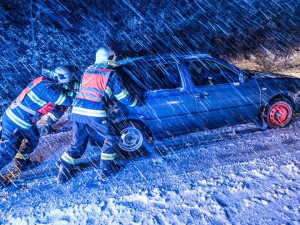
(133, 76)
(142, 78)
(163, 76)
(208, 72)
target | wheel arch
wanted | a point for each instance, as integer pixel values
(291, 97)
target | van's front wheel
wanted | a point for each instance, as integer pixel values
(279, 113)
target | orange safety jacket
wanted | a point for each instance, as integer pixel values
(93, 84)
(98, 81)
(18, 102)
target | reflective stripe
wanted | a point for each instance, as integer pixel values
(134, 103)
(108, 91)
(122, 95)
(68, 158)
(51, 115)
(89, 112)
(105, 156)
(17, 120)
(25, 108)
(76, 86)
(66, 87)
(61, 99)
(13, 105)
(92, 90)
(36, 99)
(22, 156)
(111, 63)
(70, 93)
(88, 96)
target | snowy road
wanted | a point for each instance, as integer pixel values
(238, 175)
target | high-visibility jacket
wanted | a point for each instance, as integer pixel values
(54, 115)
(37, 99)
(98, 84)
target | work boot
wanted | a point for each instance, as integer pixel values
(109, 168)
(65, 173)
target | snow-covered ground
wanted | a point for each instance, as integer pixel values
(232, 175)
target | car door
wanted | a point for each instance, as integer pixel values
(222, 96)
(168, 109)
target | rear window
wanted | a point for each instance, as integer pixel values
(144, 78)
(208, 72)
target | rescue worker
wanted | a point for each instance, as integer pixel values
(59, 110)
(20, 135)
(98, 83)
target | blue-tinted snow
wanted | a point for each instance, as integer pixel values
(230, 175)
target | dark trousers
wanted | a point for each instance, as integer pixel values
(15, 139)
(98, 133)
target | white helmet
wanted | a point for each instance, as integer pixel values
(62, 75)
(105, 56)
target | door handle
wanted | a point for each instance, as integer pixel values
(202, 95)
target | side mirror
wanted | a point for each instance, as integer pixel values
(243, 78)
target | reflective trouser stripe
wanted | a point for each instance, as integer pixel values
(17, 120)
(51, 115)
(61, 99)
(68, 158)
(22, 156)
(36, 99)
(105, 156)
(134, 103)
(89, 112)
(122, 95)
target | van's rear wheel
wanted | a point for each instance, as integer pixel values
(279, 113)
(131, 138)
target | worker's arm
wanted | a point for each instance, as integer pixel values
(58, 96)
(121, 93)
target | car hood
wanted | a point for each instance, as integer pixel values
(259, 74)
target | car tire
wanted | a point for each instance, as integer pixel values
(134, 139)
(279, 113)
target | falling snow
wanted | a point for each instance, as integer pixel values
(230, 175)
